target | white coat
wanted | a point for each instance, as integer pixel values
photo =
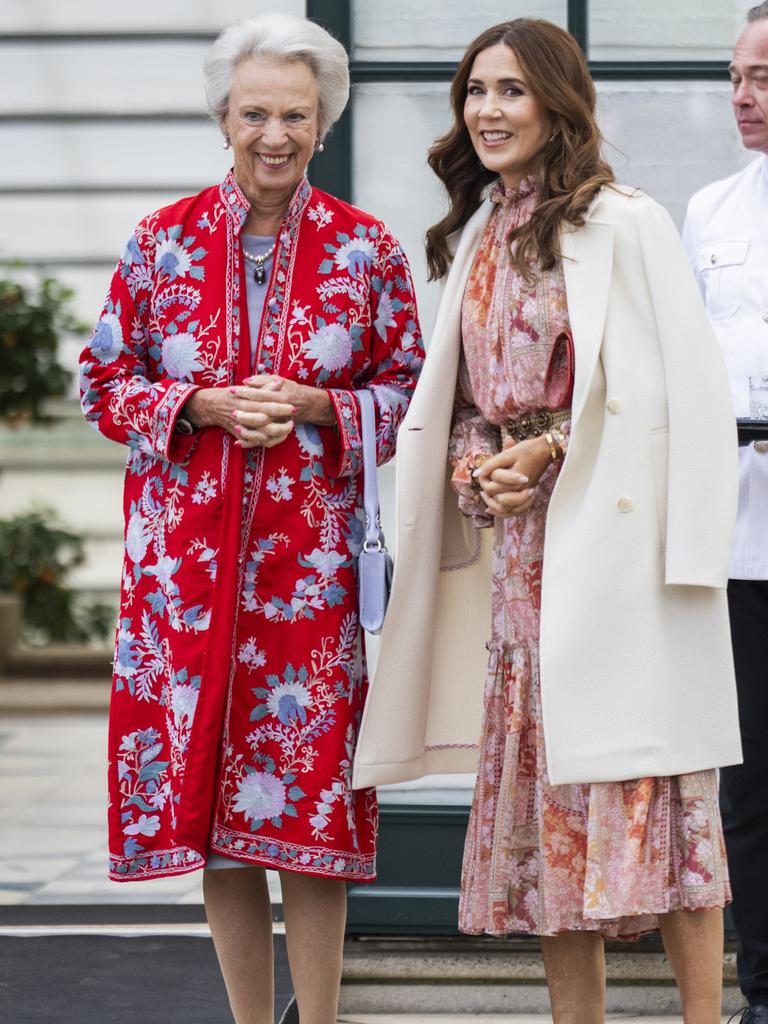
(635, 655)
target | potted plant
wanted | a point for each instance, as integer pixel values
(36, 552)
(32, 322)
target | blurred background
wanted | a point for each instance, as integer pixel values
(102, 119)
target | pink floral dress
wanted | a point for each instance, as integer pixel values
(542, 859)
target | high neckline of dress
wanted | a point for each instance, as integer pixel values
(504, 196)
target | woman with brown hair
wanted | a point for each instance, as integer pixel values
(576, 390)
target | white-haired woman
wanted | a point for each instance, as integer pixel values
(239, 324)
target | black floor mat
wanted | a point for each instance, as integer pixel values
(73, 979)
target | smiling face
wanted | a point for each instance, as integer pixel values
(749, 75)
(272, 122)
(507, 124)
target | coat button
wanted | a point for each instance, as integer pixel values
(713, 258)
(625, 504)
(765, 316)
(614, 406)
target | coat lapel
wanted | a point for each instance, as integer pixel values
(446, 334)
(587, 262)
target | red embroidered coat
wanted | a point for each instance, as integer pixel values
(239, 672)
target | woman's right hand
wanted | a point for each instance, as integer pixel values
(241, 411)
(508, 480)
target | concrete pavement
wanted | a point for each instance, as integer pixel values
(54, 893)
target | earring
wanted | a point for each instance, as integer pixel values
(226, 143)
(319, 147)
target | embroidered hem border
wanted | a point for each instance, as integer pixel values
(157, 864)
(311, 860)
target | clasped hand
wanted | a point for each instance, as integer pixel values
(508, 480)
(262, 411)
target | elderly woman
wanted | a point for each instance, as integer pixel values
(574, 406)
(239, 324)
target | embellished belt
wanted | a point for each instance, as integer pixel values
(534, 424)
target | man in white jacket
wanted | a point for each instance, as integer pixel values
(726, 235)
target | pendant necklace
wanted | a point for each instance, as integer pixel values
(259, 274)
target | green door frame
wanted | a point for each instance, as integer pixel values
(331, 170)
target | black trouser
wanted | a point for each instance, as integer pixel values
(744, 787)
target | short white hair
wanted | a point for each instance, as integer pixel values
(284, 37)
(759, 13)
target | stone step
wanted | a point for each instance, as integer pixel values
(72, 470)
(486, 975)
(452, 1018)
(41, 696)
(87, 500)
(490, 1018)
(99, 576)
(67, 442)
(68, 467)
(59, 662)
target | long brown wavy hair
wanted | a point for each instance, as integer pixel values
(569, 169)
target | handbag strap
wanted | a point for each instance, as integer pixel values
(374, 535)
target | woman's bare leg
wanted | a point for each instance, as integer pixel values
(574, 963)
(693, 942)
(240, 917)
(315, 912)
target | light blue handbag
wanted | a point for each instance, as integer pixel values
(374, 566)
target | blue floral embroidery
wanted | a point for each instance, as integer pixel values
(106, 342)
(177, 259)
(287, 698)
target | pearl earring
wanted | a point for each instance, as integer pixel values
(226, 144)
(320, 147)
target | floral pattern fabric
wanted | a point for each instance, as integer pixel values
(543, 859)
(239, 674)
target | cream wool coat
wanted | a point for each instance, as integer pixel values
(635, 655)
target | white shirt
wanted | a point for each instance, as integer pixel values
(726, 237)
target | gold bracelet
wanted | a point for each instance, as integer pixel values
(559, 438)
(552, 448)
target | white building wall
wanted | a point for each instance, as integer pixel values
(102, 120)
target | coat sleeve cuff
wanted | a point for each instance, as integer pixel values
(167, 441)
(343, 443)
(696, 577)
